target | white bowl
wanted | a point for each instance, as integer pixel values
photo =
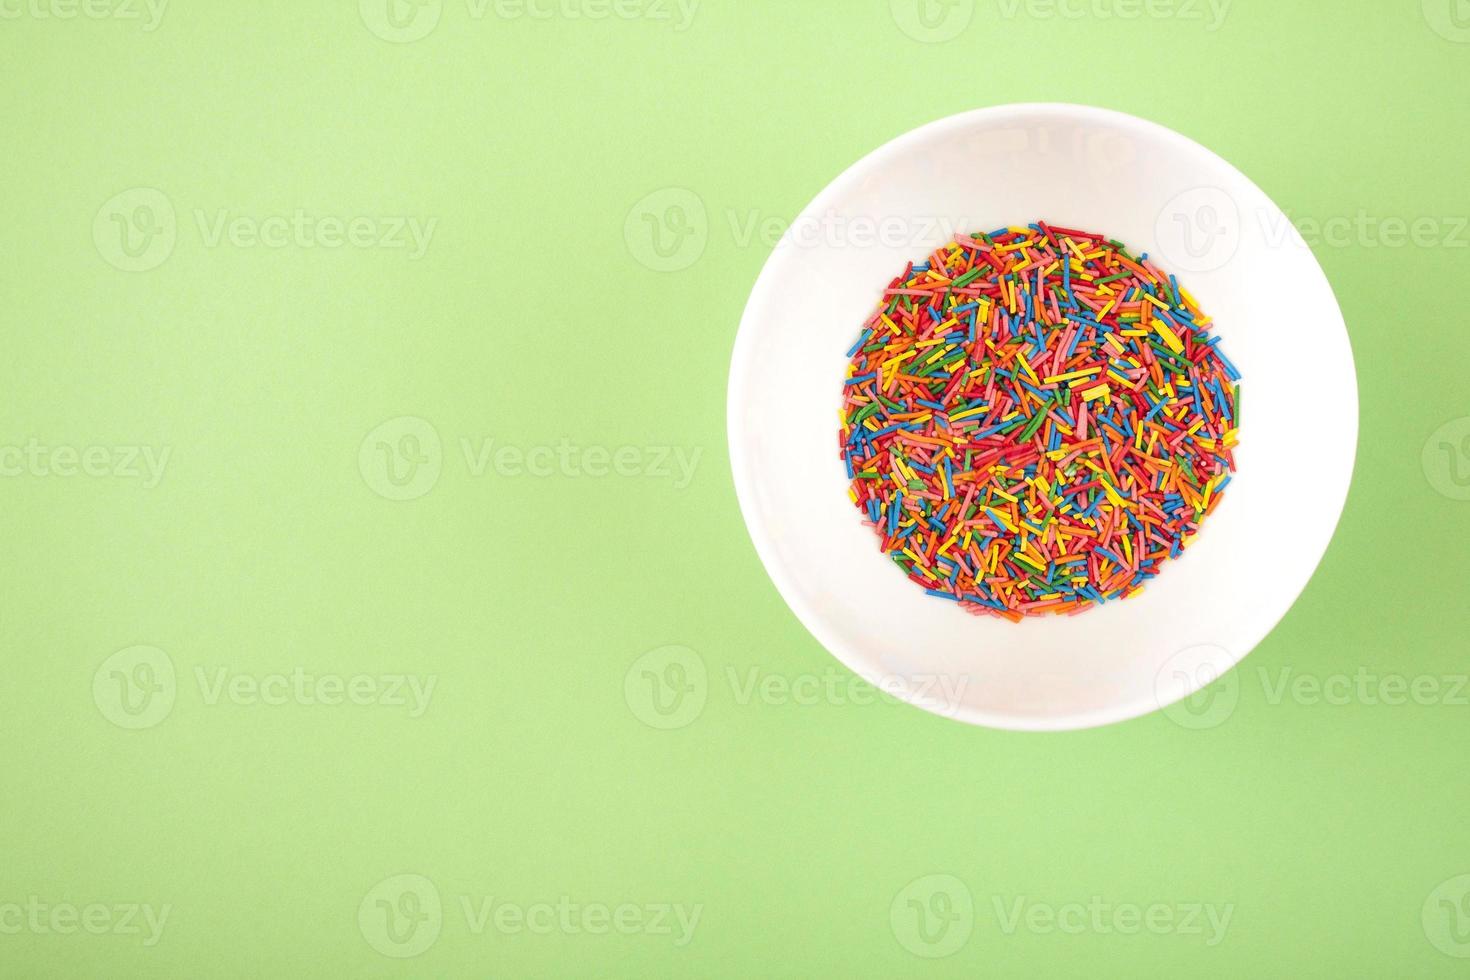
(1076, 167)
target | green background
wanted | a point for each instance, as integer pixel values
(534, 317)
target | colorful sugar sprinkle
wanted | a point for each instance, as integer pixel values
(1034, 421)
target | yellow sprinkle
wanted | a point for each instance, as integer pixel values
(1040, 566)
(1170, 340)
(969, 413)
(1085, 372)
(1092, 394)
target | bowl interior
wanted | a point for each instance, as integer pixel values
(1155, 191)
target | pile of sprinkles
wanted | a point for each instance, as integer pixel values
(1034, 420)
